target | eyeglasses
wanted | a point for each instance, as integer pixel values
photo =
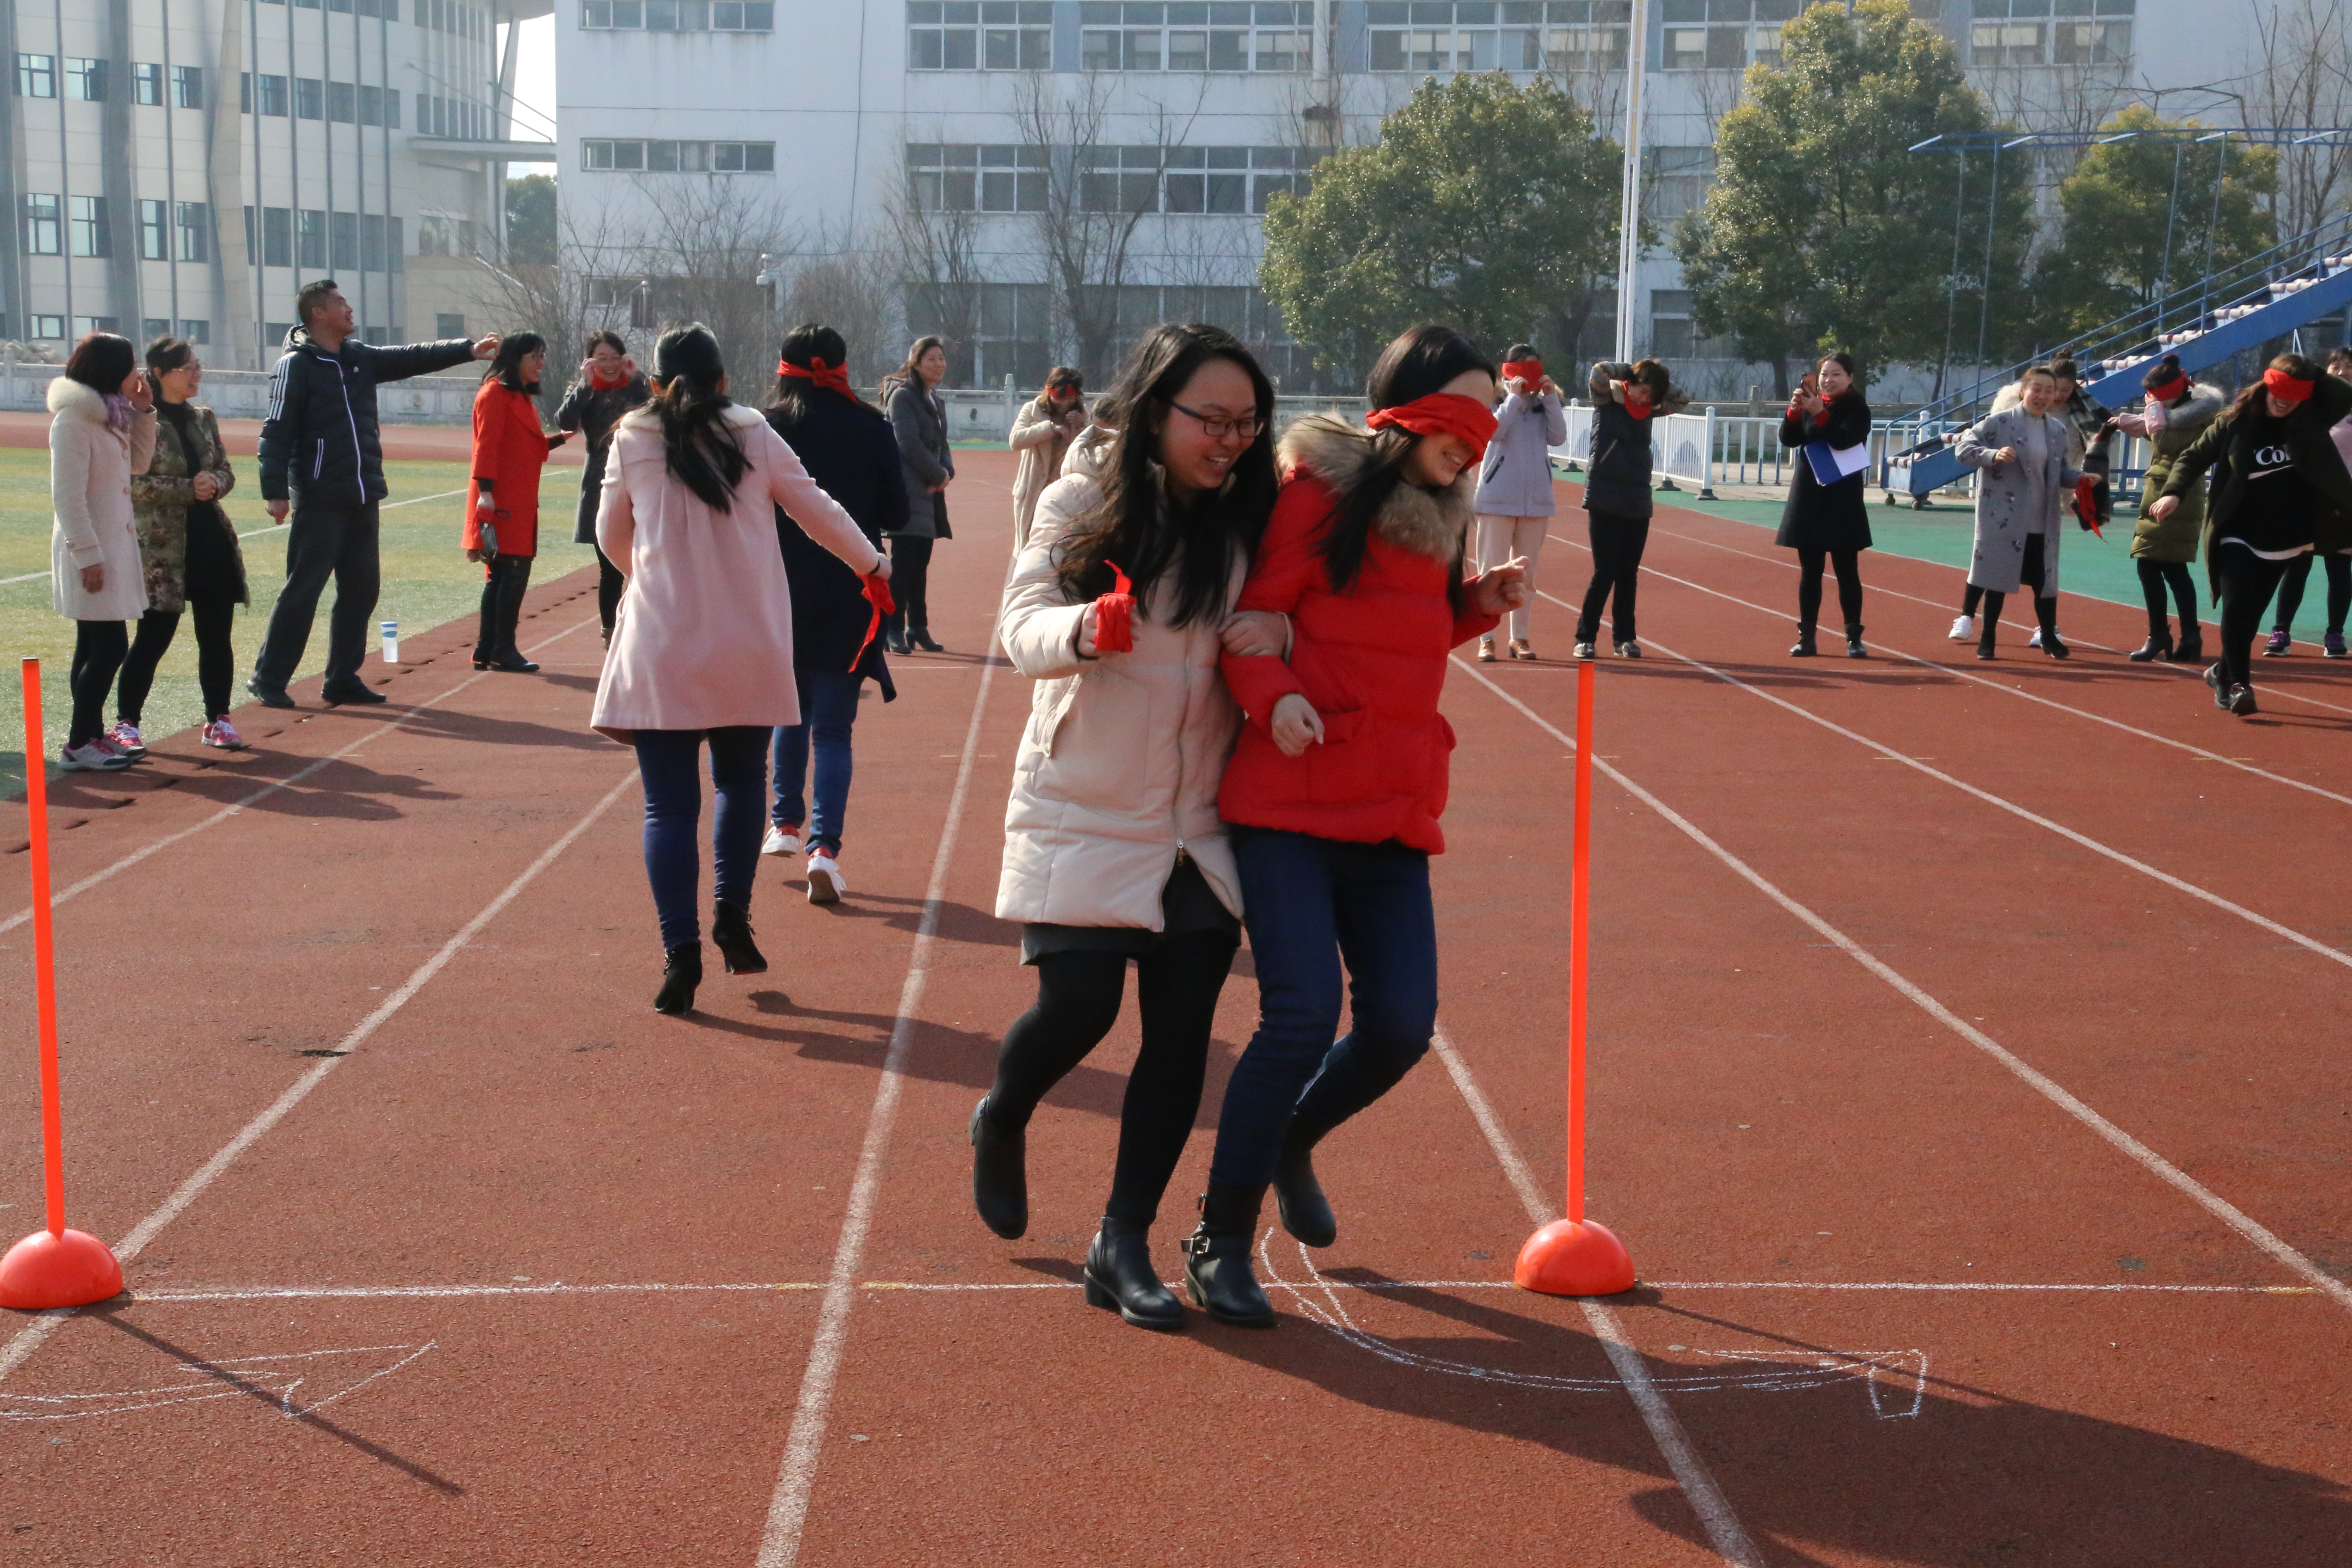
(1217, 429)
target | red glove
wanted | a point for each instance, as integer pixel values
(1115, 614)
(2086, 503)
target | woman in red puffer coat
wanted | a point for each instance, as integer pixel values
(1338, 779)
(502, 503)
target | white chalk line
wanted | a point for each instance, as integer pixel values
(780, 1540)
(265, 791)
(2007, 689)
(29, 1338)
(1724, 1530)
(2148, 1159)
(257, 532)
(263, 1378)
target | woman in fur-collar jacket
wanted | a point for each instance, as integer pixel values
(1338, 779)
(103, 434)
(2176, 413)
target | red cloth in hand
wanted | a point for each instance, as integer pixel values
(2086, 503)
(1115, 614)
(878, 593)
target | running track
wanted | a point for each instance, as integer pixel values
(1969, 1081)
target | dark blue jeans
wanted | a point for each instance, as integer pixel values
(1313, 903)
(667, 761)
(828, 708)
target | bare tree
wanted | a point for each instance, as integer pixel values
(932, 235)
(2302, 76)
(853, 290)
(702, 244)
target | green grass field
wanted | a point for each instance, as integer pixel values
(426, 580)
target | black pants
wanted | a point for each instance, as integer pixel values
(99, 647)
(1078, 1002)
(338, 541)
(910, 577)
(2030, 574)
(216, 664)
(2244, 582)
(505, 578)
(1617, 545)
(1808, 586)
(2154, 577)
(2339, 590)
(609, 583)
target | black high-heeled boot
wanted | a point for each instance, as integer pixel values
(730, 934)
(2190, 649)
(2158, 646)
(1298, 1195)
(1120, 1279)
(999, 1174)
(1805, 647)
(1217, 1273)
(680, 975)
(1853, 649)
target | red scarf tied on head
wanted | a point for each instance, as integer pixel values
(1527, 369)
(2285, 387)
(834, 378)
(1465, 419)
(2169, 390)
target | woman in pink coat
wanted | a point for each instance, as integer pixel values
(702, 644)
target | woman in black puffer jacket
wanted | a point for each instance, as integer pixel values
(610, 385)
(1625, 399)
(1827, 522)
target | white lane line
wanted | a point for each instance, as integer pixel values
(129, 1246)
(2148, 1159)
(257, 532)
(2238, 762)
(780, 1541)
(265, 791)
(1724, 1530)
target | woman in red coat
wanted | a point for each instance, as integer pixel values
(1338, 779)
(502, 503)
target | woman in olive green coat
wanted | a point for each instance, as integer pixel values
(2177, 413)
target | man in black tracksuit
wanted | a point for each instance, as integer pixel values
(320, 444)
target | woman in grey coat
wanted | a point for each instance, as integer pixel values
(919, 420)
(2027, 477)
(1515, 497)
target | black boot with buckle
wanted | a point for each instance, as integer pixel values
(1217, 1273)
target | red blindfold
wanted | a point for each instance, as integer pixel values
(2286, 388)
(1441, 414)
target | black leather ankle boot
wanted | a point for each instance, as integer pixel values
(1217, 1273)
(1806, 647)
(999, 1174)
(1853, 648)
(1120, 1279)
(1298, 1195)
(680, 975)
(730, 934)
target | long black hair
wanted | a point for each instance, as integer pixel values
(102, 362)
(2250, 395)
(698, 446)
(1419, 362)
(506, 365)
(1134, 523)
(802, 345)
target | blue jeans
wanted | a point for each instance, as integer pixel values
(1313, 903)
(828, 708)
(666, 762)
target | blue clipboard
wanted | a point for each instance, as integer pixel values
(1832, 463)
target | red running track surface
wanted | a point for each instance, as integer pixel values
(532, 1275)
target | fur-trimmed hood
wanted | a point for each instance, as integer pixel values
(1339, 452)
(67, 393)
(2199, 408)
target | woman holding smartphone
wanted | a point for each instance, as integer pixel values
(1827, 522)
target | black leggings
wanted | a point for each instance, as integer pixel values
(2154, 577)
(1809, 586)
(505, 579)
(910, 583)
(2339, 590)
(99, 647)
(2029, 575)
(2244, 582)
(215, 662)
(609, 583)
(1078, 1002)
(1617, 546)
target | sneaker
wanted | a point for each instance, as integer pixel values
(780, 841)
(2281, 640)
(2035, 640)
(2242, 701)
(2332, 646)
(1629, 650)
(1586, 650)
(222, 734)
(125, 738)
(825, 883)
(1964, 628)
(93, 756)
(1485, 650)
(2214, 679)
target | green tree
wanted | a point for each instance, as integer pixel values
(1485, 205)
(530, 219)
(2127, 237)
(1824, 229)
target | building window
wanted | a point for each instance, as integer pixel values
(187, 87)
(449, 326)
(342, 241)
(46, 327)
(43, 229)
(953, 177)
(678, 157)
(1724, 35)
(342, 104)
(2103, 42)
(93, 233)
(1681, 176)
(309, 98)
(1220, 36)
(993, 34)
(379, 243)
(37, 76)
(263, 94)
(154, 327)
(85, 325)
(1206, 180)
(86, 79)
(680, 15)
(277, 247)
(1513, 35)
(439, 234)
(2016, 33)
(310, 235)
(153, 231)
(147, 85)
(197, 331)
(196, 226)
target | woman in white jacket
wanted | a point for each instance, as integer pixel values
(1042, 434)
(1113, 847)
(103, 432)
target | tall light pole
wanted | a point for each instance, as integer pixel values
(1628, 208)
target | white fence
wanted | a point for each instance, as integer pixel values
(980, 413)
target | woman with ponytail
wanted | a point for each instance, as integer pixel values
(703, 644)
(1338, 779)
(2336, 562)
(2176, 413)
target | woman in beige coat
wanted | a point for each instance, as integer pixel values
(1042, 433)
(702, 643)
(1113, 849)
(103, 432)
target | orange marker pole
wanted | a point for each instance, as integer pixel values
(56, 1266)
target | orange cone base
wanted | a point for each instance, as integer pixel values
(1570, 1257)
(48, 1270)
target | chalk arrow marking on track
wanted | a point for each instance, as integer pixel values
(299, 1383)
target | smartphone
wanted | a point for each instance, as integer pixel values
(1811, 385)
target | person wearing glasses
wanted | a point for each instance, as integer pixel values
(1113, 851)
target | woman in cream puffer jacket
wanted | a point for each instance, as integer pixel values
(1113, 847)
(102, 432)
